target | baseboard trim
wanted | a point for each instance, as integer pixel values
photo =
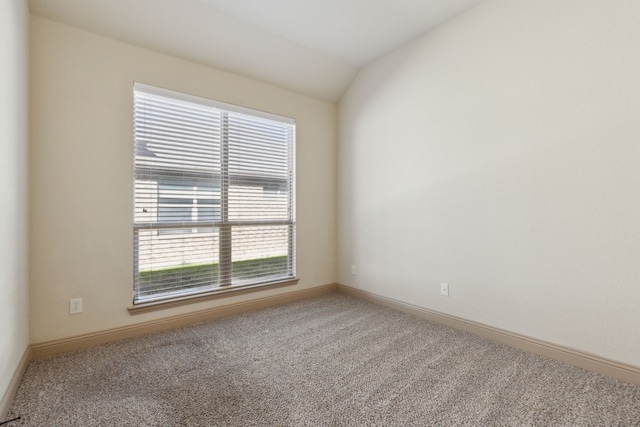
(580, 359)
(10, 393)
(50, 348)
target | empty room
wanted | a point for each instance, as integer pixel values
(319, 213)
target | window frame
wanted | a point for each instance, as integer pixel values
(223, 224)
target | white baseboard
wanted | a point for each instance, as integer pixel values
(580, 359)
(10, 393)
(49, 348)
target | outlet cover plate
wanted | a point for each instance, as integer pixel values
(75, 306)
(444, 289)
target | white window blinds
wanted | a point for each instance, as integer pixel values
(213, 196)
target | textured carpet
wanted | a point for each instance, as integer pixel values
(328, 361)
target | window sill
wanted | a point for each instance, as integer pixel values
(218, 293)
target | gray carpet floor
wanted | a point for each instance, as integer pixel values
(328, 361)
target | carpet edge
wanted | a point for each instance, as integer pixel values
(577, 358)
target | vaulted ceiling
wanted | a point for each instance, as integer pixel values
(314, 47)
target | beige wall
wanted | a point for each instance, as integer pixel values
(501, 154)
(14, 305)
(81, 174)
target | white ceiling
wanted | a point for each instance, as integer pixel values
(314, 47)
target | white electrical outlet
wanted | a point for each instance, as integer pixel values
(75, 306)
(444, 289)
(353, 269)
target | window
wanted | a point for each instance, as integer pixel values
(213, 196)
